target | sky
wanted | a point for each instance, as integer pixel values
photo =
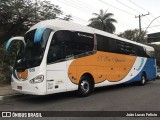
(124, 12)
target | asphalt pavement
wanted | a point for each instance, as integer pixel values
(113, 98)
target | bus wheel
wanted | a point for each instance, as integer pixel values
(85, 86)
(143, 79)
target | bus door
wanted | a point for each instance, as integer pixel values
(56, 65)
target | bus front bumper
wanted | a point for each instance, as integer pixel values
(27, 89)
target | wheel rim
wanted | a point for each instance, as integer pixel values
(85, 86)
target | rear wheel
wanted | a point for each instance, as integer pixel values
(85, 86)
(143, 80)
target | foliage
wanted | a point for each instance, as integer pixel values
(16, 16)
(134, 35)
(103, 21)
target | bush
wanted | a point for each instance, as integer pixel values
(5, 73)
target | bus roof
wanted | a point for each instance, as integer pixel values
(56, 24)
(62, 25)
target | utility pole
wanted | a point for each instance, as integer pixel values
(139, 16)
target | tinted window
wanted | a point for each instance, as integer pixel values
(81, 42)
(57, 47)
(33, 53)
(141, 51)
(106, 44)
(67, 44)
(125, 48)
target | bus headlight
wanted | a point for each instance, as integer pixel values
(37, 79)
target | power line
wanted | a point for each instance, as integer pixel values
(77, 18)
(127, 6)
(116, 8)
(119, 9)
(84, 5)
(139, 16)
(137, 5)
(147, 25)
(74, 7)
(83, 10)
(135, 11)
(77, 5)
(88, 5)
(142, 9)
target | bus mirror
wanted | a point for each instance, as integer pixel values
(38, 35)
(12, 39)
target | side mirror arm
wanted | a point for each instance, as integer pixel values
(12, 39)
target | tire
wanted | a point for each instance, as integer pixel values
(143, 80)
(85, 87)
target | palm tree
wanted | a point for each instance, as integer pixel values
(103, 21)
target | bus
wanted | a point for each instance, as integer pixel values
(60, 56)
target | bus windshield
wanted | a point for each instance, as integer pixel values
(33, 53)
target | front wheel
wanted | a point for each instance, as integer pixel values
(85, 86)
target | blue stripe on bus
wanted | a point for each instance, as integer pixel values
(14, 74)
(8, 44)
(150, 70)
(38, 34)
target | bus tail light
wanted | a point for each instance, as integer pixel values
(37, 79)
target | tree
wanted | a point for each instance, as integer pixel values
(134, 35)
(17, 16)
(103, 21)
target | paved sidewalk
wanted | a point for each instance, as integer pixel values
(6, 90)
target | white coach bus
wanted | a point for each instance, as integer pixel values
(60, 56)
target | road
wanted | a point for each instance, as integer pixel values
(113, 98)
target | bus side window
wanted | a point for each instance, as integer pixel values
(81, 42)
(141, 52)
(56, 50)
(106, 44)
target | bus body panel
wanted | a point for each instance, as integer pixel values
(102, 66)
(97, 68)
(56, 77)
(150, 70)
(25, 86)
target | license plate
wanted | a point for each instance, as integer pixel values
(19, 87)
